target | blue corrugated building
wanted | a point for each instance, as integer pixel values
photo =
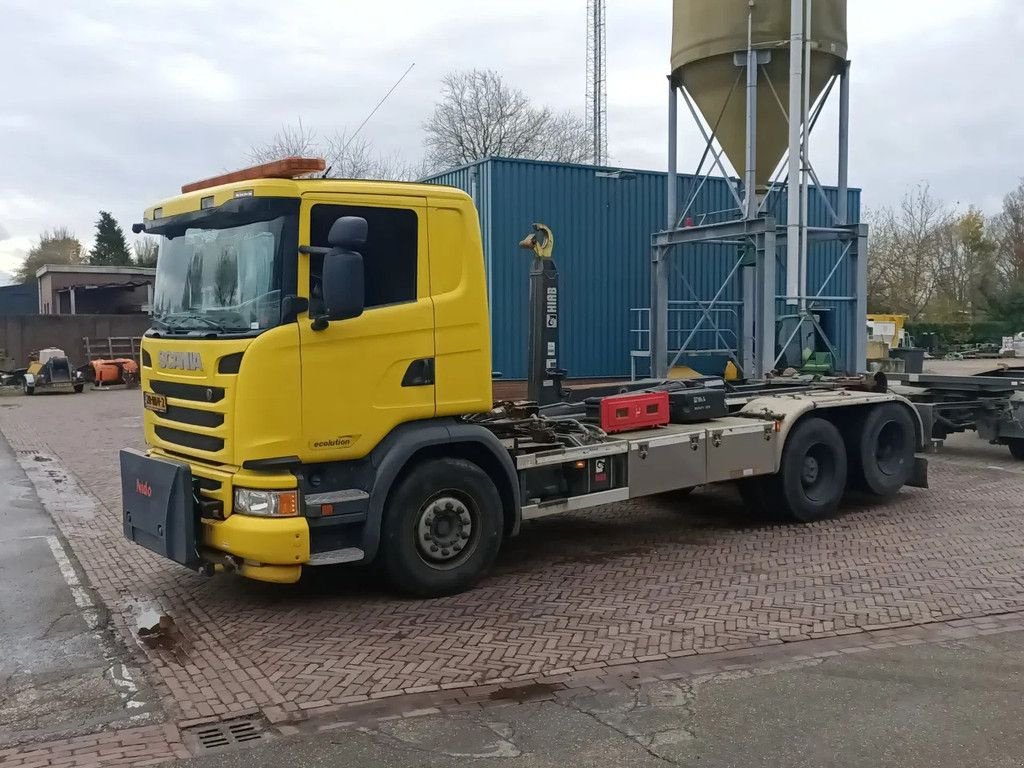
(20, 299)
(603, 219)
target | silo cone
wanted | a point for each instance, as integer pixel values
(706, 34)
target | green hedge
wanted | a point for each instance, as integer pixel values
(954, 334)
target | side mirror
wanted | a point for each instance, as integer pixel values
(343, 284)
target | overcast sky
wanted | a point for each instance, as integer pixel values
(114, 104)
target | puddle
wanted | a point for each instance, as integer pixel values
(156, 630)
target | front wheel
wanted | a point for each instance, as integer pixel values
(442, 528)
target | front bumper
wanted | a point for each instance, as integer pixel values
(161, 502)
(269, 549)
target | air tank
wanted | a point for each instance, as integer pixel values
(705, 36)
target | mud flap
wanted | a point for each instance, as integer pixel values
(158, 507)
(919, 475)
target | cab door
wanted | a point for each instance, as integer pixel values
(364, 376)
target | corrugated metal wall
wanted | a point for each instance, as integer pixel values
(603, 220)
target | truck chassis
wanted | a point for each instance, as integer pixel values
(989, 403)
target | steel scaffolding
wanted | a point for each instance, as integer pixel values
(759, 239)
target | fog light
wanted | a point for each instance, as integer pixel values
(249, 501)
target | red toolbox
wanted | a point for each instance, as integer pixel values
(634, 410)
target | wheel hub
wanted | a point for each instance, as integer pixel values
(889, 448)
(443, 529)
(810, 472)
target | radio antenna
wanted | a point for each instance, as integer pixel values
(380, 103)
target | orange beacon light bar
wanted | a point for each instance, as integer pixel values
(288, 168)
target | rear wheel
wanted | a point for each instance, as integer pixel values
(1016, 446)
(883, 457)
(442, 528)
(812, 476)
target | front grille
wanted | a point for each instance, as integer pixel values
(209, 484)
(188, 391)
(190, 439)
(192, 416)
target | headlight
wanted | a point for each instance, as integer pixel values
(266, 503)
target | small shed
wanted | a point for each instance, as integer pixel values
(84, 289)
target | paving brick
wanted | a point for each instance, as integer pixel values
(656, 579)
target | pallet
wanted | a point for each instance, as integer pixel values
(112, 347)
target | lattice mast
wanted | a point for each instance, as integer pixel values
(597, 80)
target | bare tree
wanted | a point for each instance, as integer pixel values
(565, 139)
(347, 156)
(904, 253)
(479, 115)
(1008, 233)
(354, 157)
(146, 249)
(291, 141)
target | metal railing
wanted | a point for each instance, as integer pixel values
(686, 320)
(112, 347)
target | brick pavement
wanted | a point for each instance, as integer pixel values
(689, 669)
(147, 745)
(634, 582)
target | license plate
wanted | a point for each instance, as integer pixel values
(155, 402)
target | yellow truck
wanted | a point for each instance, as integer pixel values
(317, 390)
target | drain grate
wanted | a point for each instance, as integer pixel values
(232, 733)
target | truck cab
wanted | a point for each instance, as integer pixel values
(273, 402)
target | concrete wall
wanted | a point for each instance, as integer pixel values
(23, 334)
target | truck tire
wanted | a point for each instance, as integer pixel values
(29, 389)
(811, 479)
(442, 529)
(1016, 446)
(883, 458)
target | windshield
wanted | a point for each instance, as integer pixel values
(222, 272)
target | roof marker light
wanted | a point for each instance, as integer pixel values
(288, 168)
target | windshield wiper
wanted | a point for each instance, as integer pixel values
(180, 321)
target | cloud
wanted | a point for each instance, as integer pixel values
(133, 99)
(4, 234)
